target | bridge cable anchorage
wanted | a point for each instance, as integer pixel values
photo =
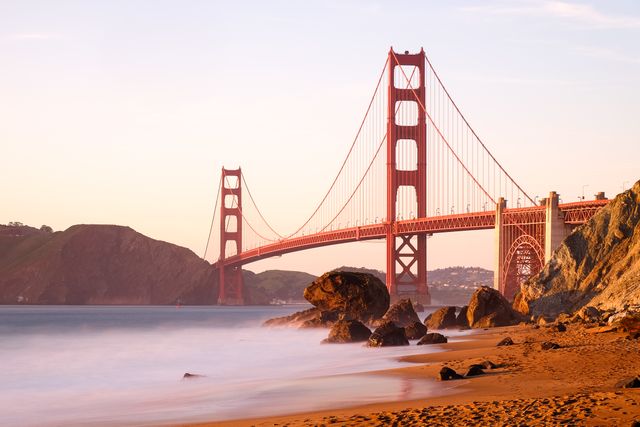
(441, 135)
(474, 132)
(384, 138)
(213, 218)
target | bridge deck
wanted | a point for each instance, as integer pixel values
(574, 213)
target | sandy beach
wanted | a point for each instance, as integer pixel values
(571, 385)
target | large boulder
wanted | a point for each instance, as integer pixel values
(345, 331)
(442, 318)
(388, 334)
(433, 338)
(415, 331)
(357, 296)
(597, 265)
(488, 308)
(402, 313)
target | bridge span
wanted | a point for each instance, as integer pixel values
(437, 177)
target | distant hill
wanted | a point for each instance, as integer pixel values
(275, 286)
(99, 264)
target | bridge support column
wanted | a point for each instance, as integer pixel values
(554, 229)
(230, 277)
(499, 246)
(406, 253)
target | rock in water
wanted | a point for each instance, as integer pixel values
(387, 335)
(348, 331)
(358, 296)
(598, 264)
(402, 313)
(442, 318)
(447, 374)
(488, 308)
(433, 338)
(415, 331)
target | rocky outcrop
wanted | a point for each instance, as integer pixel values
(447, 374)
(433, 338)
(100, 264)
(387, 335)
(310, 318)
(345, 331)
(442, 318)
(488, 308)
(402, 313)
(597, 265)
(415, 331)
(355, 296)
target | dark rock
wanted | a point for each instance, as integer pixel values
(433, 338)
(386, 335)
(348, 331)
(442, 318)
(629, 383)
(415, 331)
(505, 341)
(311, 318)
(447, 374)
(488, 308)
(560, 327)
(188, 375)
(461, 318)
(358, 296)
(474, 370)
(487, 364)
(402, 313)
(549, 345)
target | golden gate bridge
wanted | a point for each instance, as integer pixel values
(415, 168)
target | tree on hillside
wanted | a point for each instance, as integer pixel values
(46, 229)
(15, 224)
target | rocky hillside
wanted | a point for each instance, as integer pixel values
(598, 264)
(99, 264)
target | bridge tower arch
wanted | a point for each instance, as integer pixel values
(230, 277)
(406, 266)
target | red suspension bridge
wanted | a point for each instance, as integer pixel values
(415, 168)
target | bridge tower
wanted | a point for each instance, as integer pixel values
(406, 254)
(230, 279)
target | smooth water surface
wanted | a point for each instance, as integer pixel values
(98, 365)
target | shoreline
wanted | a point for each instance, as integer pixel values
(566, 382)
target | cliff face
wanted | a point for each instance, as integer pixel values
(100, 264)
(598, 264)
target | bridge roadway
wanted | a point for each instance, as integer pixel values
(573, 213)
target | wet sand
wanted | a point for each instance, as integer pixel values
(571, 385)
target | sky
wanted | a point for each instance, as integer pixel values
(124, 112)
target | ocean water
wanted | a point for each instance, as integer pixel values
(104, 366)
